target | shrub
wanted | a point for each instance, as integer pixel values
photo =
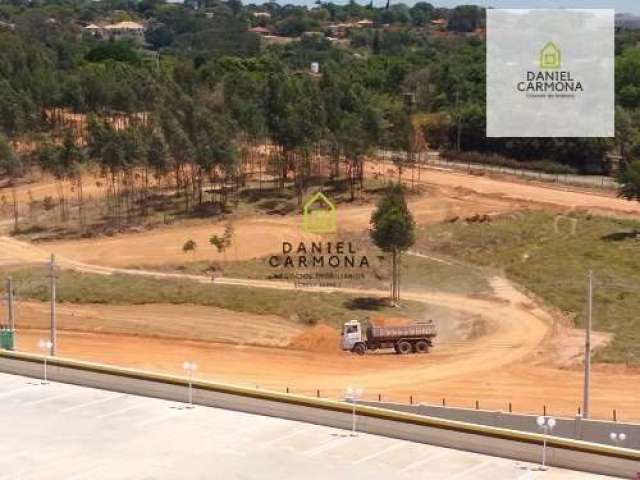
(546, 166)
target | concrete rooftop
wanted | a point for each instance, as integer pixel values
(59, 431)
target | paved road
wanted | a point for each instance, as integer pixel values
(66, 432)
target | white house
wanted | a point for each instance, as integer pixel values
(118, 31)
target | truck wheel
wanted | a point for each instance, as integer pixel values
(422, 346)
(404, 347)
(360, 348)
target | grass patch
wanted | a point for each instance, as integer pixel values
(554, 265)
(418, 273)
(304, 306)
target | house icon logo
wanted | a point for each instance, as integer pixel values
(319, 215)
(550, 57)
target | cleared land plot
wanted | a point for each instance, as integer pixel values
(551, 256)
(308, 307)
(66, 432)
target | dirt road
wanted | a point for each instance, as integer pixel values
(253, 237)
(519, 190)
(510, 362)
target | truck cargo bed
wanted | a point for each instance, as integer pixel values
(410, 331)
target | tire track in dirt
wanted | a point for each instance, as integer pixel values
(521, 330)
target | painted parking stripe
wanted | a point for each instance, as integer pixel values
(48, 399)
(118, 412)
(91, 403)
(15, 392)
(530, 475)
(465, 473)
(428, 459)
(379, 453)
(285, 437)
(159, 419)
(328, 446)
(83, 475)
(5, 458)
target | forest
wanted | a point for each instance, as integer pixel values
(189, 106)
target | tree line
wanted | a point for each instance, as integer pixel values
(196, 116)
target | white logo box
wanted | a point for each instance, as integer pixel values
(550, 73)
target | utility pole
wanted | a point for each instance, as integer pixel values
(12, 320)
(52, 281)
(458, 129)
(587, 348)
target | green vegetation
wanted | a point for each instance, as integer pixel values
(183, 114)
(393, 231)
(307, 307)
(554, 265)
(630, 181)
(417, 273)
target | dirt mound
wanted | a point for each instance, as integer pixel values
(391, 321)
(320, 338)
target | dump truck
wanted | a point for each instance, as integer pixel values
(416, 338)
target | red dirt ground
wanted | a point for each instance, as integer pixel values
(514, 360)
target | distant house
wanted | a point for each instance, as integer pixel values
(117, 31)
(339, 30)
(311, 34)
(265, 15)
(7, 25)
(365, 23)
(480, 33)
(439, 23)
(262, 31)
(93, 29)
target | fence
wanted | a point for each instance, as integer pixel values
(589, 181)
(598, 181)
(562, 452)
(577, 428)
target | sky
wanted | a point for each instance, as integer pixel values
(621, 6)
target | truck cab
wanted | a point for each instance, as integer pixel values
(351, 335)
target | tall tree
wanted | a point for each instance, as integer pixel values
(630, 181)
(12, 167)
(393, 231)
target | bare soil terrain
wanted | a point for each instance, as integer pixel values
(513, 357)
(179, 322)
(253, 237)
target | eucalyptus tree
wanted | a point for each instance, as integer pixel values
(11, 166)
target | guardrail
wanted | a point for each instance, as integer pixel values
(565, 453)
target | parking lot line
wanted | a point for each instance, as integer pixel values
(4, 458)
(48, 399)
(378, 453)
(83, 474)
(15, 392)
(91, 403)
(428, 459)
(118, 412)
(328, 446)
(465, 473)
(284, 437)
(530, 475)
(159, 419)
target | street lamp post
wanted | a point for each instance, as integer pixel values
(45, 346)
(352, 395)
(617, 438)
(546, 424)
(190, 368)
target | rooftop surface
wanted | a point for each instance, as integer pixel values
(59, 431)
